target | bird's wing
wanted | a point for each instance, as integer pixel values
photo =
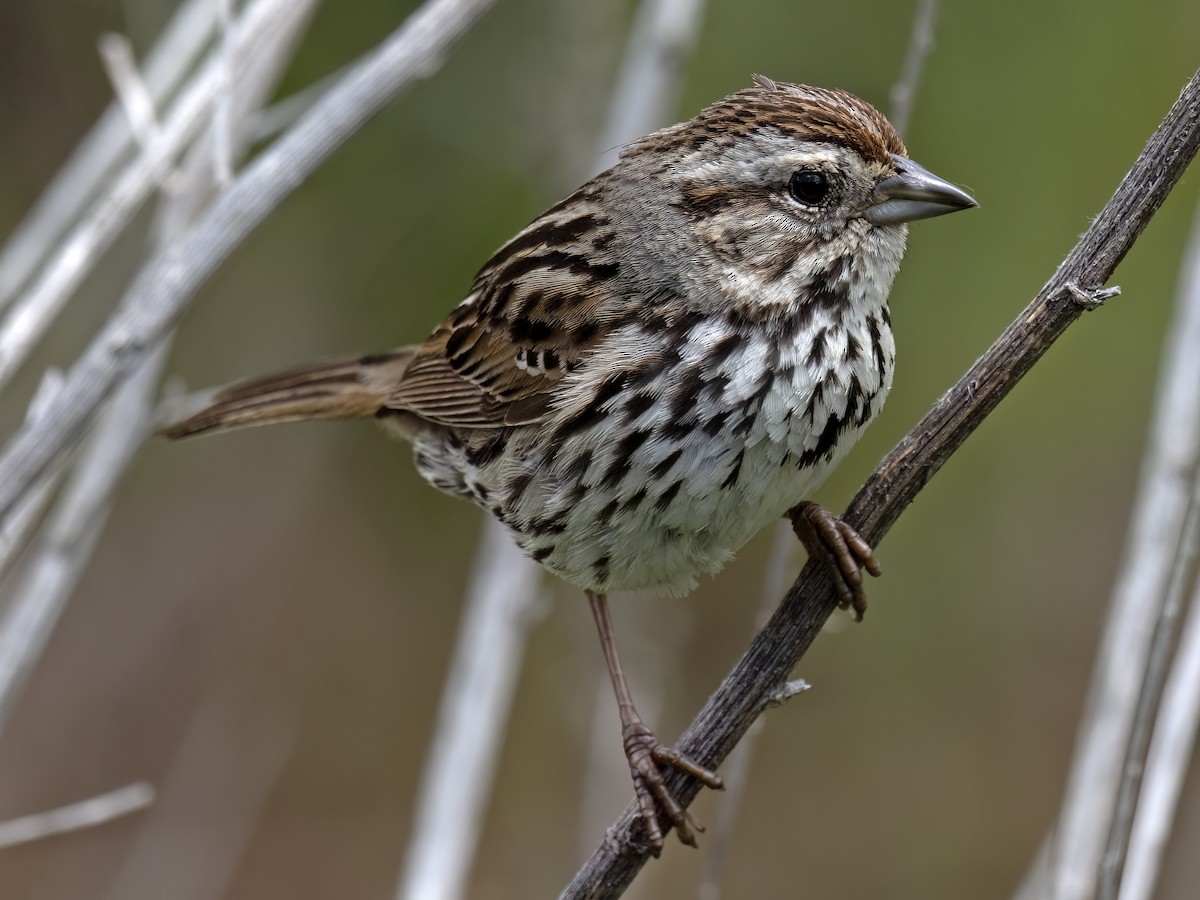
(540, 304)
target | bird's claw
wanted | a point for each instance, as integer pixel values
(826, 537)
(646, 754)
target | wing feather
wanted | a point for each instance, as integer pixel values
(545, 299)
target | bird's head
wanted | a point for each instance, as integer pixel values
(780, 180)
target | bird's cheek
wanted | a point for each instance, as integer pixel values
(730, 242)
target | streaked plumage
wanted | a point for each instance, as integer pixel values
(667, 360)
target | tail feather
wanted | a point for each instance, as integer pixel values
(340, 389)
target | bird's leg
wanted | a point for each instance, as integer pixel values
(644, 751)
(839, 547)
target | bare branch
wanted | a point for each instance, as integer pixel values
(133, 94)
(60, 204)
(920, 43)
(223, 150)
(19, 525)
(40, 595)
(1143, 582)
(77, 816)
(1166, 763)
(26, 515)
(904, 471)
(1158, 658)
(163, 289)
(1145, 590)
(648, 84)
(37, 308)
(73, 527)
(59, 557)
(283, 113)
(503, 600)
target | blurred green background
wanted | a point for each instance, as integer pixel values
(263, 631)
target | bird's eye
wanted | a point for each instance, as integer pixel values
(809, 186)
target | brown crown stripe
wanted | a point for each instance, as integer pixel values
(807, 113)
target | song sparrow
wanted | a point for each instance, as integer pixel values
(662, 363)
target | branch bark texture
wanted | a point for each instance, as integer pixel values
(1074, 287)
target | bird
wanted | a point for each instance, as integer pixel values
(659, 365)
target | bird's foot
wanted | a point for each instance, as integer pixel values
(646, 755)
(840, 548)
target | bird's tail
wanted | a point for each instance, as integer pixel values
(340, 389)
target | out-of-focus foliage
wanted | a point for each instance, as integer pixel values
(287, 599)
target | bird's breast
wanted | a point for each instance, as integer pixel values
(657, 470)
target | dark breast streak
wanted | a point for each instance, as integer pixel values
(678, 428)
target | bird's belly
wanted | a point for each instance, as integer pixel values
(715, 511)
(658, 502)
(650, 482)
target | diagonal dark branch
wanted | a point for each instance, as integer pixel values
(1074, 287)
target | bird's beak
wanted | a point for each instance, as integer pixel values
(914, 193)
